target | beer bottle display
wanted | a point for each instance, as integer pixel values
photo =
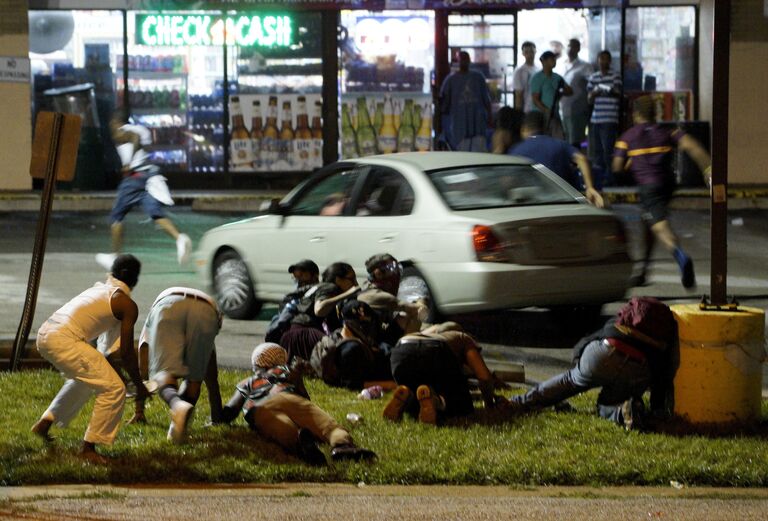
(270, 136)
(317, 136)
(424, 135)
(366, 139)
(303, 142)
(241, 153)
(285, 142)
(348, 138)
(387, 134)
(417, 117)
(406, 134)
(378, 117)
(256, 134)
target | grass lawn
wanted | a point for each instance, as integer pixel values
(545, 449)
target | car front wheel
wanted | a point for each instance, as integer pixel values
(234, 287)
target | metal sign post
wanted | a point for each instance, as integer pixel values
(54, 154)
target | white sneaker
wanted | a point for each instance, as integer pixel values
(181, 415)
(183, 248)
(105, 260)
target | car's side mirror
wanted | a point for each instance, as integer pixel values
(275, 208)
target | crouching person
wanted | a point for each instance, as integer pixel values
(632, 353)
(275, 403)
(179, 333)
(432, 381)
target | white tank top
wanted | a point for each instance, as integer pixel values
(89, 314)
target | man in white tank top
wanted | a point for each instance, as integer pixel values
(105, 312)
(179, 335)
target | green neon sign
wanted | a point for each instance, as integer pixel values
(190, 29)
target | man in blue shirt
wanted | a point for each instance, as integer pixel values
(466, 101)
(547, 87)
(556, 155)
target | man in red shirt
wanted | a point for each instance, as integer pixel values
(646, 150)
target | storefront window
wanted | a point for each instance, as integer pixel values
(489, 40)
(275, 86)
(659, 53)
(74, 58)
(387, 62)
(175, 78)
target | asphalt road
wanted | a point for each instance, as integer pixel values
(532, 337)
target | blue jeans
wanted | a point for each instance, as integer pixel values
(600, 365)
(603, 140)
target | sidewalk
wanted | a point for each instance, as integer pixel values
(740, 197)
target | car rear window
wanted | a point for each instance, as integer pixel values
(495, 186)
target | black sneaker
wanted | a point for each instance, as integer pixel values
(351, 452)
(308, 450)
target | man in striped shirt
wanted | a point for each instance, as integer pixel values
(604, 87)
(646, 150)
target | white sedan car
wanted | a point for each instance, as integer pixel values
(474, 231)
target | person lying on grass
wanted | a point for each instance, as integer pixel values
(631, 353)
(275, 403)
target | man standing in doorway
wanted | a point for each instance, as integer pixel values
(466, 101)
(575, 108)
(646, 150)
(604, 87)
(547, 87)
(522, 78)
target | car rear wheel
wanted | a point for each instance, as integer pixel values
(414, 287)
(234, 287)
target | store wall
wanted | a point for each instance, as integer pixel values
(15, 133)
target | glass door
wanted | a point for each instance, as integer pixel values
(387, 62)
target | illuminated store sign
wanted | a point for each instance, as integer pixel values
(190, 30)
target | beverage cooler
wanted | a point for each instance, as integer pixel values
(387, 63)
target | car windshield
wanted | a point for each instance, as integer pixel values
(495, 186)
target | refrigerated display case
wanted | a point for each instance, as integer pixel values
(275, 101)
(387, 65)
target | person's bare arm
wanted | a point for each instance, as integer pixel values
(325, 306)
(536, 99)
(519, 101)
(211, 380)
(700, 156)
(617, 166)
(125, 310)
(593, 196)
(232, 408)
(567, 90)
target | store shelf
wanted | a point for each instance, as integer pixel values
(153, 75)
(166, 147)
(159, 111)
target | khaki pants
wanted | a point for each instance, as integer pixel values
(87, 372)
(281, 416)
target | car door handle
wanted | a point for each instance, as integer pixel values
(317, 238)
(387, 238)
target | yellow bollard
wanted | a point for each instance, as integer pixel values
(720, 376)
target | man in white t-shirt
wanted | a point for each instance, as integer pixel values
(575, 108)
(522, 77)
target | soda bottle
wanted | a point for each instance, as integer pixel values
(406, 134)
(270, 136)
(366, 138)
(424, 135)
(387, 135)
(317, 136)
(286, 137)
(348, 138)
(371, 393)
(303, 139)
(256, 134)
(241, 153)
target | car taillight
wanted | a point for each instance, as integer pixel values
(488, 247)
(620, 235)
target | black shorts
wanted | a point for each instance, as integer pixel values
(654, 201)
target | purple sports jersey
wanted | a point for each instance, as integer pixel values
(649, 150)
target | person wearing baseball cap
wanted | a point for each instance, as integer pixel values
(275, 402)
(308, 272)
(546, 89)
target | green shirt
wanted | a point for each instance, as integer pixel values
(546, 87)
